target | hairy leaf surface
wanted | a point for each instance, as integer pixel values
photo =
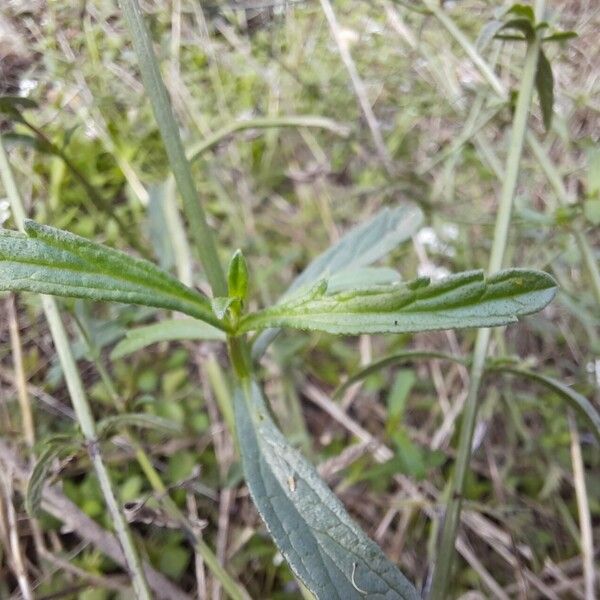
(52, 261)
(462, 300)
(310, 526)
(359, 248)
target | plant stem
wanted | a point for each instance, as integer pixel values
(169, 131)
(443, 567)
(79, 399)
(202, 234)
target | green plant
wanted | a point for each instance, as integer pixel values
(286, 489)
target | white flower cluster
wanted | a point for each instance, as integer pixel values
(4, 212)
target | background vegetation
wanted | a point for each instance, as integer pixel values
(437, 135)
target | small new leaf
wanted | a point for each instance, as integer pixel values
(544, 82)
(462, 300)
(52, 261)
(237, 277)
(220, 305)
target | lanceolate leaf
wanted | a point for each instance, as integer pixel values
(360, 247)
(363, 245)
(323, 546)
(463, 300)
(165, 331)
(544, 82)
(52, 261)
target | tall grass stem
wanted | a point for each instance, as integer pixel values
(161, 105)
(443, 567)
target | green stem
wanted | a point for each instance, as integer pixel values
(441, 576)
(169, 131)
(79, 400)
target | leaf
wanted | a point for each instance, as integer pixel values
(220, 306)
(522, 25)
(360, 247)
(165, 331)
(560, 36)
(462, 300)
(575, 400)
(398, 358)
(363, 277)
(488, 32)
(54, 447)
(522, 10)
(326, 550)
(544, 82)
(237, 276)
(52, 261)
(13, 105)
(110, 424)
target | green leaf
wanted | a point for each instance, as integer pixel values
(109, 425)
(323, 546)
(13, 105)
(522, 25)
(462, 300)
(544, 82)
(560, 36)
(54, 447)
(522, 10)
(360, 247)
(363, 277)
(237, 276)
(363, 245)
(575, 400)
(165, 331)
(220, 305)
(407, 356)
(52, 261)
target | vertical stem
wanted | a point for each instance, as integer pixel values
(79, 400)
(441, 576)
(169, 131)
(545, 163)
